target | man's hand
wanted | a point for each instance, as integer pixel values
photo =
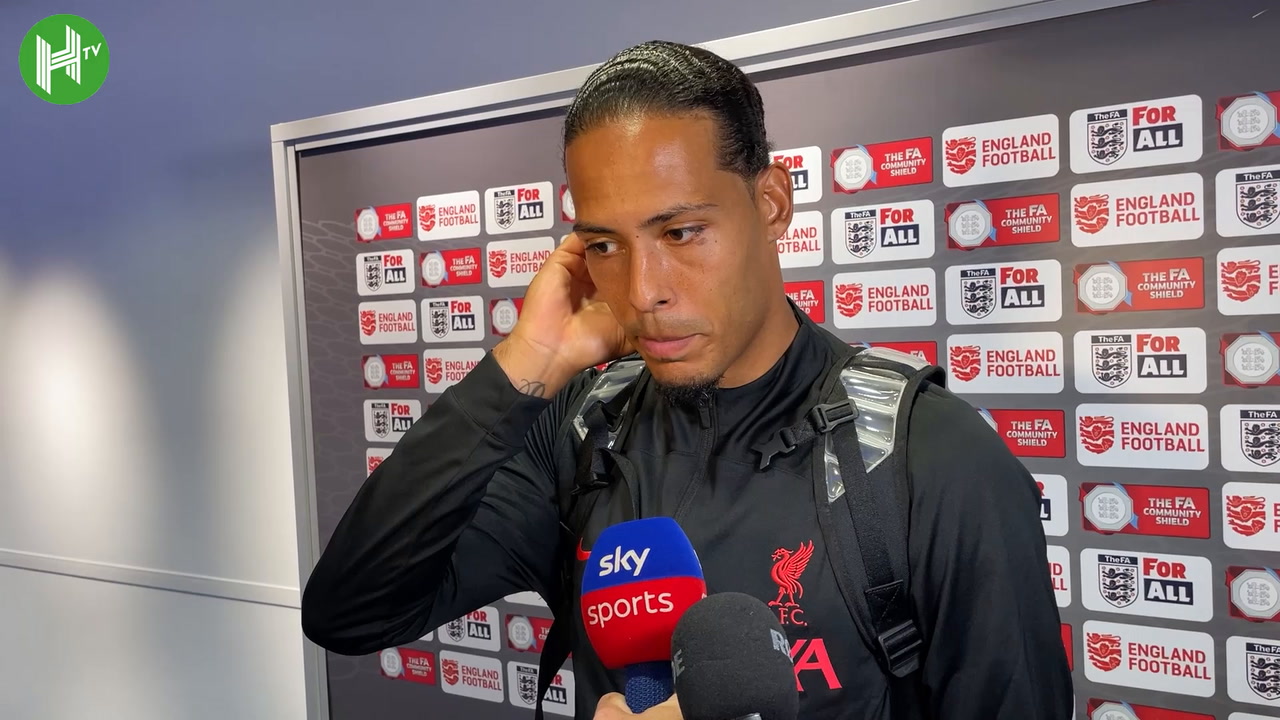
(614, 707)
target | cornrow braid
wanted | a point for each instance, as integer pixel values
(674, 79)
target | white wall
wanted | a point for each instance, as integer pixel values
(149, 568)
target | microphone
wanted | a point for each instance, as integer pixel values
(732, 661)
(639, 579)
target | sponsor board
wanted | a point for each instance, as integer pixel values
(1253, 670)
(1019, 363)
(1053, 504)
(373, 457)
(518, 208)
(1018, 149)
(388, 322)
(1100, 709)
(882, 233)
(926, 350)
(1249, 280)
(1248, 201)
(442, 369)
(504, 313)
(1158, 585)
(1150, 658)
(1248, 121)
(448, 216)
(1012, 292)
(1251, 516)
(384, 222)
(1165, 208)
(451, 267)
(1069, 646)
(1140, 285)
(1060, 574)
(477, 630)
(805, 166)
(1137, 134)
(1250, 359)
(568, 213)
(408, 664)
(474, 676)
(513, 263)
(882, 165)
(1156, 510)
(526, 633)
(885, 298)
(1141, 361)
(522, 684)
(453, 319)
(1030, 433)
(390, 372)
(1250, 438)
(526, 597)
(811, 297)
(801, 245)
(1147, 436)
(384, 273)
(1001, 222)
(386, 421)
(1254, 593)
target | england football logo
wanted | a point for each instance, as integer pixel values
(456, 630)
(373, 272)
(504, 209)
(381, 419)
(1260, 441)
(978, 296)
(439, 319)
(1256, 203)
(1108, 139)
(1264, 670)
(527, 684)
(1118, 583)
(1112, 363)
(860, 235)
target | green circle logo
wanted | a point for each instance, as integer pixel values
(64, 59)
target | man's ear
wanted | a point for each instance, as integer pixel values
(773, 200)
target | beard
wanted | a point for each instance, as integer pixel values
(690, 394)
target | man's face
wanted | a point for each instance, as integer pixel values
(681, 250)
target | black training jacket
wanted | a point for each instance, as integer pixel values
(464, 512)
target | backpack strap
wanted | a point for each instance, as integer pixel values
(598, 425)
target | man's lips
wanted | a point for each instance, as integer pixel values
(665, 347)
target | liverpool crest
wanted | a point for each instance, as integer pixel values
(1108, 139)
(373, 272)
(1260, 440)
(1118, 583)
(860, 236)
(978, 295)
(1112, 363)
(504, 210)
(1256, 203)
(1264, 669)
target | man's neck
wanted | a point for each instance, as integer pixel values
(772, 341)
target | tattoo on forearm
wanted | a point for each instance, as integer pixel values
(536, 388)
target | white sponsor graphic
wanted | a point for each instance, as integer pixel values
(1176, 587)
(1053, 504)
(1060, 573)
(384, 273)
(373, 457)
(1173, 437)
(442, 369)
(391, 662)
(566, 204)
(453, 319)
(805, 165)
(1251, 516)
(513, 263)
(1248, 716)
(1138, 134)
(388, 322)
(1014, 292)
(473, 676)
(1248, 201)
(431, 635)
(885, 298)
(1018, 149)
(522, 684)
(1164, 208)
(518, 208)
(477, 630)
(1174, 661)
(1005, 363)
(1250, 438)
(386, 421)
(882, 233)
(1253, 670)
(801, 245)
(526, 597)
(451, 215)
(1148, 360)
(1249, 280)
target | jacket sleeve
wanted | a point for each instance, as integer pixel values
(979, 572)
(462, 512)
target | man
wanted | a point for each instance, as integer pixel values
(674, 258)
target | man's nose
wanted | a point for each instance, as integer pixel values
(649, 286)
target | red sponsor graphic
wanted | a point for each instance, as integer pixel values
(498, 263)
(788, 566)
(1104, 650)
(1157, 510)
(1139, 285)
(892, 164)
(849, 299)
(1066, 645)
(1251, 360)
(1097, 433)
(540, 628)
(964, 362)
(809, 296)
(1022, 220)
(501, 319)
(419, 666)
(1031, 433)
(1241, 279)
(373, 461)
(393, 222)
(460, 267)
(1254, 593)
(1091, 213)
(810, 655)
(449, 671)
(1248, 123)
(926, 350)
(398, 371)
(1247, 514)
(1139, 712)
(433, 367)
(961, 154)
(368, 321)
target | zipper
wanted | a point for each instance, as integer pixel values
(707, 417)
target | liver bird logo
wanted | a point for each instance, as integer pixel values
(787, 568)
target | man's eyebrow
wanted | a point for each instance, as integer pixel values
(665, 216)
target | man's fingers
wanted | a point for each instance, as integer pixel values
(612, 707)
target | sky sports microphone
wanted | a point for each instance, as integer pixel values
(639, 579)
(732, 661)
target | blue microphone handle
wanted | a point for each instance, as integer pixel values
(648, 684)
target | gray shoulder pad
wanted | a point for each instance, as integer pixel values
(607, 386)
(877, 393)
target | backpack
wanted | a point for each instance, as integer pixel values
(866, 399)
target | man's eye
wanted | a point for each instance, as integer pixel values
(685, 234)
(602, 247)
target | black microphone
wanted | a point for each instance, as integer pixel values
(732, 661)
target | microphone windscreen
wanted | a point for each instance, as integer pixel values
(731, 659)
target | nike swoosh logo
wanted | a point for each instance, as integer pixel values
(583, 555)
